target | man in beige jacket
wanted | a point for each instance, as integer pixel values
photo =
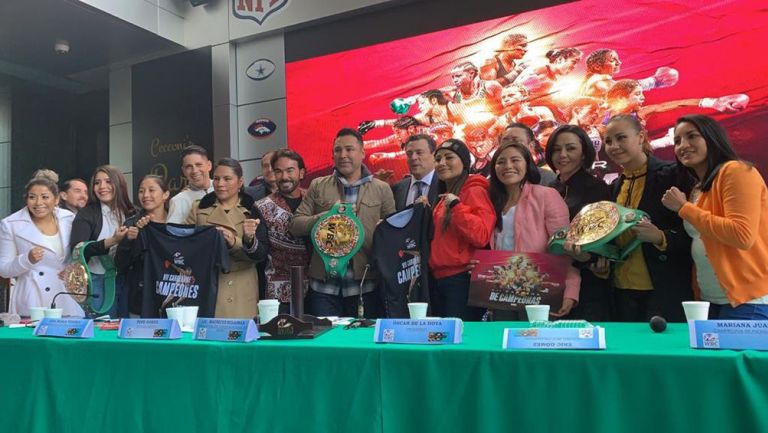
(351, 182)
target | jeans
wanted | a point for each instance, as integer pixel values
(742, 312)
(323, 304)
(449, 298)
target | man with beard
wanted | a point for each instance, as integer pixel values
(73, 195)
(286, 250)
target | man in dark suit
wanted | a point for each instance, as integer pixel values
(265, 184)
(419, 149)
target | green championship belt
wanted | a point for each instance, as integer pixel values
(337, 236)
(595, 226)
(77, 279)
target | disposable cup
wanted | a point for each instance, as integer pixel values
(190, 315)
(696, 310)
(53, 313)
(176, 313)
(268, 309)
(36, 313)
(417, 310)
(537, 313)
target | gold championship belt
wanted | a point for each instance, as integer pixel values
(595, 226)
(337, 236)
(78, 281)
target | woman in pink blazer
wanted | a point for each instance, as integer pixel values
(527, 214)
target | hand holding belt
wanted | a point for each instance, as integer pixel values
(337, 236)
(78, 279)
(595, 226)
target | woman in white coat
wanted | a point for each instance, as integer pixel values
(34, 248)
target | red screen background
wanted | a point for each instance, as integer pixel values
(719, 48)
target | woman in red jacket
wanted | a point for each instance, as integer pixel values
(727, 217)
(464, 220)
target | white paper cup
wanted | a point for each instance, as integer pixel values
(176, 313)
(190, 315)
(417, 310)
(53, 313)
(696, 310)
(537, 313)
(268, 309)
(36, 313)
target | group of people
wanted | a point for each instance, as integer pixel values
(703, 239)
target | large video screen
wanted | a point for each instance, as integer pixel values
(577, 63)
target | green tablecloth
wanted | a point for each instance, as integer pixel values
(342, 382)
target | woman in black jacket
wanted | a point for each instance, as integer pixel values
(655, 278)
(153, 197)
(570, 154)
(101, 223)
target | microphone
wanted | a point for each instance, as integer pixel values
(91, 295)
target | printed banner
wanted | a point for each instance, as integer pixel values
(504, 280)
(577, 63)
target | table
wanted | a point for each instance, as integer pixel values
(343, 382)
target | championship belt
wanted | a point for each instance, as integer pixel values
(78, 279)
(595, 226)
(337, 236)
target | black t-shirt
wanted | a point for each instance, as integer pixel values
(181, 265)
(401, 253)
(293, 203)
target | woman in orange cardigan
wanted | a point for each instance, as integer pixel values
(726, 216)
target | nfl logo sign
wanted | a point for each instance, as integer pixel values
(257, 10)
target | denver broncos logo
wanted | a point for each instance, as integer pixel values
(262, 128)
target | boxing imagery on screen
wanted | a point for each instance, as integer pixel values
(577, 63)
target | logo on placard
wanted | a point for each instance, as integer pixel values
(262, 128)
(260, 69)
(256, 10)
(437, 336)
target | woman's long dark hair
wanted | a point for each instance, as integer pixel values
(497, 190)
(719, 148)
(121, 202)
(442, 186)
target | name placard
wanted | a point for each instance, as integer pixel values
(231, 330)
(149, 329)
(729, 334)
(554, 338)
(418, 331)
(67, 328)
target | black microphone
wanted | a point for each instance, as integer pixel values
(90, 295)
